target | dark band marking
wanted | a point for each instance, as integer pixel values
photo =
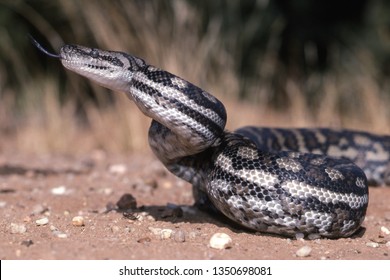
(213, 127)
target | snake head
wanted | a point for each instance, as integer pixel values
(111, 69)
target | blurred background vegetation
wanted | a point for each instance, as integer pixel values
(280, 62)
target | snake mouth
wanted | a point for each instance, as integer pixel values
(42, 49)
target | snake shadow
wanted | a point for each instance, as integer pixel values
(194, 215)
(186, 214)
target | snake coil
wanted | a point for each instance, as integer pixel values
(245, 175)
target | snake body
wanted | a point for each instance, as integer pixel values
(368, 151)
(240, 174)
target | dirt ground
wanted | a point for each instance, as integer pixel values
(40, 196)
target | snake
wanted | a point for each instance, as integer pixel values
(278, 181)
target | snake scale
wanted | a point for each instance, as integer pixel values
(247, 175)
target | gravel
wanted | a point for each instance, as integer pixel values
(304, 251)
(166, 233)
(18, 228)
(41, 222)
(117, 169)
(179, 236)
(220, 241)
(60, 190)
(372, 244)
(78, 221)
(385, 230)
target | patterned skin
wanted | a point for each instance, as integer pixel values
(274, 192)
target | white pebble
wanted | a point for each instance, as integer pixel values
(166, 233)
(53, 228)
(18, 228)
(220, 240)
(78, 221)
(115, 229)
(61, 235)
(155, 231)
(179, 236)
(385, 230)
(150, 218)
(372, 244)
(117, 169)
(60, 190)
(129, 229)
(193, 234)
(106, 191)
(42, 221)
(303, 251)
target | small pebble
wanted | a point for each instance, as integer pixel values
(167, 185)
(193, 234)
(109, 207)
(2, 204)
(385, 230)
(42, 221)
(303, 251)
(117, 169)
(56, 232)
(106, 191)
(144, 240)
(388, 244)
(151, 182)
(27, 242)
(38, 209)
(179, 236)
(60, 190)
(115, 229)
(166, 233)
(131, 216)
(372, 244)
(53, 228)
(150, 218)
(78, 221)
(127, 201)
(220, 240)
(61, 235)
(18, 228)
(155, 231)
(129, 229)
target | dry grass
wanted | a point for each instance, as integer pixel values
(47, 125)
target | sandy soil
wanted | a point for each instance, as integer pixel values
(164, 225)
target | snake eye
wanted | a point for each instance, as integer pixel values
(94, 53)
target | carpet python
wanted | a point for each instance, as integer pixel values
(279, 181)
